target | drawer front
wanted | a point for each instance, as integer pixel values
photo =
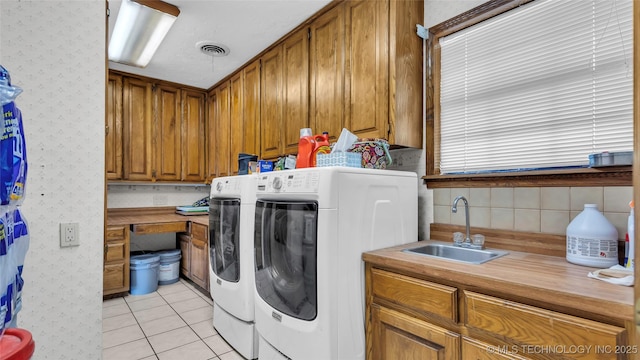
(528, 325)
(415, 294)
(478, 350)
(116, 278)
(116, 251)
(200, 232)
(115, 233)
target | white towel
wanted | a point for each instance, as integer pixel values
(616, 274)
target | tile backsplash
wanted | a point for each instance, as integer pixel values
(150, 195)
(532, 209)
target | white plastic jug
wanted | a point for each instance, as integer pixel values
(592, 240)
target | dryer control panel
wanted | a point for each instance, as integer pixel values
(225, 186)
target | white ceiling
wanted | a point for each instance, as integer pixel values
(246, 27)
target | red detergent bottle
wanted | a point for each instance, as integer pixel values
(306, 145)
(321, 147)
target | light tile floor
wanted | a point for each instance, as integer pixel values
(172, 323)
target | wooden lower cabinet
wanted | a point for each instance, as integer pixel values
(413, 318)
(195, 254)
(116, 261)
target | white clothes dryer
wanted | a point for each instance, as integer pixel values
(231, 269)
(311, 228)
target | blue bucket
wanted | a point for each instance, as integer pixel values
(144, 273)
(169, 269)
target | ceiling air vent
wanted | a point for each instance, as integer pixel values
(212, 49)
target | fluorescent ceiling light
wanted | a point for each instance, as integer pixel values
(140, 28)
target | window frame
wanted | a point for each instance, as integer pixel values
(613, 176)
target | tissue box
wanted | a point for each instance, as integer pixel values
(348, 159)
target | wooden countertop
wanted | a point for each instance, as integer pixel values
(160, 215)
(540, 278)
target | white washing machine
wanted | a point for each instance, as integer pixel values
(231, 269)
(311, 228)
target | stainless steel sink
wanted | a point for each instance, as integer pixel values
(456, 253)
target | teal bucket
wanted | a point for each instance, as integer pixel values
(144, 273)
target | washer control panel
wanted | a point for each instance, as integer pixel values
(288, 182)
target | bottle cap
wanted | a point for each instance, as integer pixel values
(305, 132)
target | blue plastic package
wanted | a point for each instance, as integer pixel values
(13, 155)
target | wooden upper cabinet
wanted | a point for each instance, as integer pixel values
(271, 104)
(113, 141)
(193, 132)
(236, 136)
(405, 80)
(295, 54)
(367, 68)
(251, 100)
(212, 117)
(137, 133)
(327, 105)
(168, 138)
(222, 123)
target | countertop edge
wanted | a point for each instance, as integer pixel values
(602, 298)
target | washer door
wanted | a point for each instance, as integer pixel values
(285, 249)
(224, 230)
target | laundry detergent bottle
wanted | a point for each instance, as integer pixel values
(306, 145)
(321, 146)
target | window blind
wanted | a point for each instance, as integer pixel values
(540, 86)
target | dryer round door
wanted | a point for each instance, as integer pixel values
(285, 249)
(224, 230)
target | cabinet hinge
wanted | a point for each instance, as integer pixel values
(308, 33)
(422, 31)
(106, 130)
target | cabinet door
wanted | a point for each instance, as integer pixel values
(327, 73)
(295, 53)
(271, 104)
(184, 241)
(251, 99)
(193, 145)
(167, 133)
(137, 130)
(236, 121)
(200, 255)
(405, 64)
(396, 336)
(367, 67)
(212, 132)
(223, 125)
(113, 141)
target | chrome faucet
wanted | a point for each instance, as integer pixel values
(454, 209)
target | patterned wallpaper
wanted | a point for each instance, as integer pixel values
(55, 51)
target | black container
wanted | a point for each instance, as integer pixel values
(243, 162)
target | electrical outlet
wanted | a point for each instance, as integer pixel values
(69, 235)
